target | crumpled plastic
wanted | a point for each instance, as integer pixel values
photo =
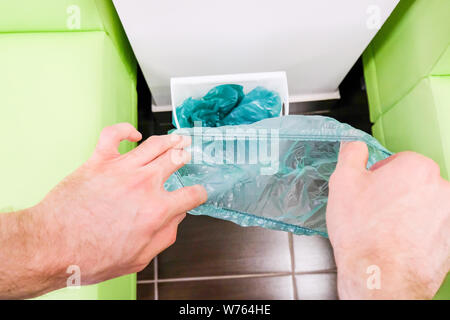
(228, 105)
(287, 191)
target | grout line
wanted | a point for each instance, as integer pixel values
(155, 274)
(323, 271)
(316, 112)
(243, 276)
(240, 276)
(292, 254)
(145, 281)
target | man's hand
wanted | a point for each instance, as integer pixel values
(389, 226)
(109, 218)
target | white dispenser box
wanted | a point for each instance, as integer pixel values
(183, 88)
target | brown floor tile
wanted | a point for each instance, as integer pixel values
(233, 289)
(208, 247)
(316, 286)
(146, 291)
(312, 253)
(148, 273)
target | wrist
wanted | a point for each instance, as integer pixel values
(42, 255)
(376, 275)
(50, 259)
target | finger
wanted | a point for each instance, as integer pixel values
(179, 218)
(169, 162)
(154, 146)
(188, 198)
(165, 237)
(353, 155)
(383, 162)
(110, 138)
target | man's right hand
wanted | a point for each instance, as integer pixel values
(389, 226)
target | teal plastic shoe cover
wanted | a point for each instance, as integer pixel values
(228, 105)
(273, 173)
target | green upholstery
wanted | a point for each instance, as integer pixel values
(57, 91)
(414, 43)
(37, 16)
(407, 72)
(420, 122)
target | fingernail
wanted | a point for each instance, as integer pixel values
(186, 156)
(175, 137)
(343, 144)
(180, 156)
(187, 140)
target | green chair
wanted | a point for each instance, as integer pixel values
(420, 122)
(58, 88)
(407, 72)
(414, 43)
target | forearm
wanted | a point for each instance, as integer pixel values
(29, 264)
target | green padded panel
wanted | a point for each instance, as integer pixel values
(420, 122)
(377, 131)
(47, 15)
(412, 44)
(123, 288)
(113, 27)
(54, 103)
(19, 16)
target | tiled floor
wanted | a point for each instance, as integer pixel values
(215, 259)
(236, 250)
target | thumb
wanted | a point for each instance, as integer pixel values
(110, 138)
(353, 155)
